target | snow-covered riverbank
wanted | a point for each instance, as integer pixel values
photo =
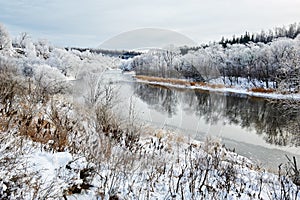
(215, 86)
(162, 165)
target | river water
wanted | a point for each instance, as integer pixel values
(251, 126)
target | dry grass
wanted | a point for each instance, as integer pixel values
(53, 131)
(164, 80)
(215, 86)
(178, 81)
(193, 83)
(262, 90)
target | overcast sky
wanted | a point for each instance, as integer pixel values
(89, 23)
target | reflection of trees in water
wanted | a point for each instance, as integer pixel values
(205, 105)
(161, 99)
(250, 113)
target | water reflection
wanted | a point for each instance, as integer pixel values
(273, 122)
(161, 99)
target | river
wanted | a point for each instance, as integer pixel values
(252, 127)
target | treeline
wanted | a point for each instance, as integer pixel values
(264, 36)
(113, 53)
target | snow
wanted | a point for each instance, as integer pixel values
(48, 163)
(162, 160)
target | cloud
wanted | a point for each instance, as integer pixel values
(90, 22)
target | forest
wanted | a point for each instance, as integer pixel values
(265, 60)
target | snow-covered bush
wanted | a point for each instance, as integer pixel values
(47, 81)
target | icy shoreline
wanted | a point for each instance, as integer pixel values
(224, 89)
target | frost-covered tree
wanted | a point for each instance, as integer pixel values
(200, 60)
(43, 48)
(20, 41)
(23, 45)
(263, 68)
(5, 39)
(67, 62)
(92, 63)
(286, 54)
(169, 54)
